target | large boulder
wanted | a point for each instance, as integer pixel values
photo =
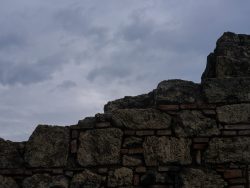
(99, 147)
(120, 177)
(48, 147)
(86, 179)
(177, 92)
(7, 182)
(191, 178)
(141, 119)
(166, 150)
(231, 58)
(236, 113)
(223, 150)
(10, 156)
(45, 181)
(194, 123)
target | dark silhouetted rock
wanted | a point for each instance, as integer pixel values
(193, 123)
(99, 147)
(45, 181)
(7, 182)
(48, 147)
(141, 119)
(10, 156)
(166, 150)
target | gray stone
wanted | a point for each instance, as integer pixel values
(231, 58)
(128, 102)
(141, 119)
(177, 92)
(45, 181)
(223, 150)
(228, 90)
(10, 156)
(236, 113)
(131, 161)
(194, 123)
(132, 141)
(48, 147)
(120, 177)
(7, 182)
(99, 147)
(86, 179)
(191, 178)
(166, 150)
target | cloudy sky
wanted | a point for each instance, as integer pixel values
(62, 60)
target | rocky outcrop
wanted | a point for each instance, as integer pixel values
(180, 135)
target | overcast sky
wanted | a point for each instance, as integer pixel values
(62, 60)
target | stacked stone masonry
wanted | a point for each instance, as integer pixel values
(181, 134)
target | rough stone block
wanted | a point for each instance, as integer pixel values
(165, 150)
(99, 147)
(48, 147)
(131, 161)
(141, 119)
(7, 182)
(132, 141)
(236, 113)
(120, 177)
(223, 150)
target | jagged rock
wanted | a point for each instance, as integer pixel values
(166, 150)
(140, 101)
(132, 141)
(141, 119)
(47, 147)
(10, 157)
(7, 182)
(86, 123)
(120, 177)
(234, 149)
(231, 58)
(99, 147)
(229, 90)
(86, 179)
(236, 113)
(194, 123)
(201, 178)
(45, 181)
(177, 92)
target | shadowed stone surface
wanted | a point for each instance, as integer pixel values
(48, 147)
(86, 179)
(6, 182)
(120, 177)
(45, 181)
(99, 147)
(236, 113)
(141, 119)
(194, 123)
(229, 90)
(166, 150)
(192, 178)
(222, 150)
(10, 157)
(177, 91)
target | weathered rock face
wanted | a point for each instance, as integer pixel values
(48, 147)
(100, 147)
(141, 119)
(120, 177)
(177, 92)
(194, 123)
(86, 179)
(223, 150)
(166, 150)
(198, 178)
(6, 182)
(10, 157)
(45, 181)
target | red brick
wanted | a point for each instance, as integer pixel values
(199, 146)
(168, 107)
(235, 173)
(124, 151)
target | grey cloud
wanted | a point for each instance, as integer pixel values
(67, 84)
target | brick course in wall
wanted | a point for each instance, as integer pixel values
(181, 134)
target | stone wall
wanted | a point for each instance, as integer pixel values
(181, 134)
